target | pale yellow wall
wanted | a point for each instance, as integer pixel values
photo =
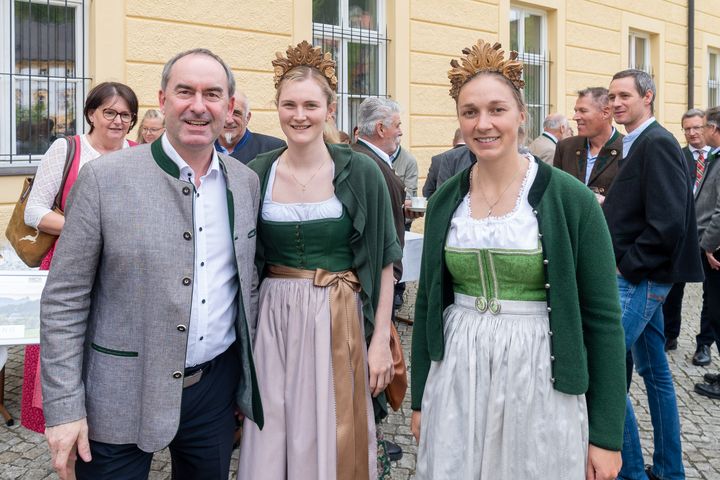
(130, 40)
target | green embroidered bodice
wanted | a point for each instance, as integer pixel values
(497, 274)
(308, 245)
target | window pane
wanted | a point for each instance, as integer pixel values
(326, 11)
(363, 14)
(641, 62)
(44, 59)
(533, 33)
(514, 42)
(363, 69)
(713, 68)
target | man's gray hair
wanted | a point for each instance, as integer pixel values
(554, 121)
(693, 112)
(598, 95)
(643, 83)
(198, 51)
(373, 110)
(712, 116)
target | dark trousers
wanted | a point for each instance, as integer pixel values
(202, 446)
(672, 311)
(711, 301)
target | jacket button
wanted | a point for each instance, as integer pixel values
(546, 261)
(181, 328)
(552, 358)
(177, 375)
(549, 309)
(547, 286)
(539, 235)
(186, 281)
(534, 212)
(552, 380)
(186, 190)
(550, 333)
(187, 236)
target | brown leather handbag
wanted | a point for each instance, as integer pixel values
(30, 244)
(395, 391)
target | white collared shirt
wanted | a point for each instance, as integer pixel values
(384, 156)
(696, 151)
(213, 311)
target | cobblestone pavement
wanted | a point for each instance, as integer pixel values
(24, 454)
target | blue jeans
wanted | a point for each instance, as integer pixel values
(642, 319)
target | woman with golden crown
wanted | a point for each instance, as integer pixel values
(326, 244)
(518, 350)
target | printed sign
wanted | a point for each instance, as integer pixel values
(20, 306)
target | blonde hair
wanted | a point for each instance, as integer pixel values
(152, 113)
(303, 72)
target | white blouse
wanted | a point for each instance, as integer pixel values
(518, 229)
(49, 176)
(297, 212)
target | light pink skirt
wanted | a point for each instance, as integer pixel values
(293, 362)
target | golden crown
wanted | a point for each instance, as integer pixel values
(305, 54)
(483, 57)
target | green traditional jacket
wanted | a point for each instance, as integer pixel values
(587, 339)
(360, 187)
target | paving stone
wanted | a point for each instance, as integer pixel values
(24, 454)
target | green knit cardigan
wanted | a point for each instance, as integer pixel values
(587, 339)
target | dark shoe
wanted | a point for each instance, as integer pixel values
(397, 301)
(702, 356)
(393, 450)
(650, 475)
(670, 344)
(711, 390)
(712, 378)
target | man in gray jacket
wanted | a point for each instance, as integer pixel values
(146, 315)
(707, 209)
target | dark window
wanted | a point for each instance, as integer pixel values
(354, 32)
(42, 76)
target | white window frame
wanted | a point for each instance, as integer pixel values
(535, 59)
(713, 86)
(8, 110)
(344, 33)
(633, 36)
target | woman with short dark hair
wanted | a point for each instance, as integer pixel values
(111, 110)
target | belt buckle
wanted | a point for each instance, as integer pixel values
(191, 380)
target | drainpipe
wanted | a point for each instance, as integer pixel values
(691, 55)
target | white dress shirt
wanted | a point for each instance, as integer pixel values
(215, 290)
(384, 156)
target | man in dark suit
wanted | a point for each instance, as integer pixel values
(594, 154)
(238, 141)
(651, 216)
(447, 164)
(707, 203)
(692, 124)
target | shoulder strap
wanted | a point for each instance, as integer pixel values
(66, 170)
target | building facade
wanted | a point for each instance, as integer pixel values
(53, 51)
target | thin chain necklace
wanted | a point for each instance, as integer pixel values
(303, 186)
(492, 205)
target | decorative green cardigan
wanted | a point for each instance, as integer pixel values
(587, 344)
(360, 187)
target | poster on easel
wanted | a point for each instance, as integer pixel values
(20, 293)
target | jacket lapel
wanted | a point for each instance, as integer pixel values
(606, 156)
(710, 162)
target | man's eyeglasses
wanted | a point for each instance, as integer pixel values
(690, 130)
(109, 114)
(150, 130)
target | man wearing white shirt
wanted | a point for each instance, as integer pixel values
(696, 150)
(146, 315)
